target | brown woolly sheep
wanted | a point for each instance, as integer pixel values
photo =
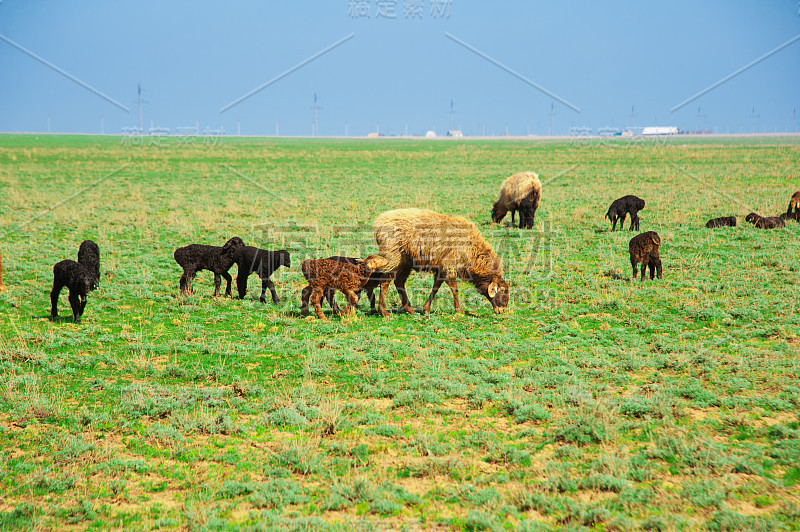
(326, 275)
(513, 191)
(794, 203)
(2, 286)
(765, 223)
(643, 249)
(620, 208)
(450, 247)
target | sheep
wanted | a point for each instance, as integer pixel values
(197, 257)
(373, 283)
(765, 223)
(725, 221)
(326, 275)
(794, 203)
(643, 248)
(620, 207)
(2, 286)
(790, 216)
(79, 277)
(253, 260)
(524, 186)
(450, 247)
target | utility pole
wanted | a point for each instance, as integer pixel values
(315, 115)
(451, 115)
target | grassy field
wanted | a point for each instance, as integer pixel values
(594, 403)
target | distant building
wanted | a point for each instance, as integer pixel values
(660, 130)
(456, 133)
(430, 134)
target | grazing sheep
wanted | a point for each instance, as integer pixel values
(2, 286)
(765, 223)
(621, 207)
(790, 216)
(524, 186)
(643, 249)
(450, 247)
(79, 277)
(725, 221)
(324, 276)
(197, 257)
(253, 260)
(794, 203)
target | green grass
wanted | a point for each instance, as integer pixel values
(595, 402)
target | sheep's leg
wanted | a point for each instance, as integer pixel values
(633, 264)
(186, 282)
(83, 303)
(453, 284)
(382, 297)
(217, 283)
(659, 269)
(228, 280)
(371, 297)
(54, 293)
(329, 295)
(75, 303)
(352, 299)
(644, 269)
(437, 282)
(512, 216)
(241, 283)
(267, 283)
(621, 223)
(304, 295)
(634, 221)
(316, 299)
(400, 283)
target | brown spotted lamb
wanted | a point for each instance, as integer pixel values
(197, 257)
(771, 222)
(324, 275)
(643, 249)
(450, 247)
(794, 203)
(524, 186)
(620, 207)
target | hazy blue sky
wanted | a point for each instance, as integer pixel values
(194, 58)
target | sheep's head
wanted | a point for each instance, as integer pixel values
(611, 215)
(752, 217)
(232, 245)
(374, 262)
(498, 212)
(496, 291)
(90, 283)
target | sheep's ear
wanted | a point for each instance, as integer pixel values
(656, 241)
(492, 289)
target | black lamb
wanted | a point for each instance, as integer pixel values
(79, 277)
(527, 210)
(621, 207)
(197, 257)
(725, 221)
(254, 260)
(771, 222)
(790, 216)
